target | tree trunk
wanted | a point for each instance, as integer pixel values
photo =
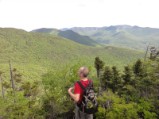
(146, 52)
(2, 87)
(12, 80)
(97, 73)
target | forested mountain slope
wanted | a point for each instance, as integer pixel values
(38, 52)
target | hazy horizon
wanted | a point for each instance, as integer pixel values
(79, 27)
(29, 14)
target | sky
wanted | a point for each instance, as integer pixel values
(33, 14)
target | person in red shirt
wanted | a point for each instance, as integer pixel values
(78, 93)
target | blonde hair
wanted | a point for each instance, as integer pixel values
(84, 70)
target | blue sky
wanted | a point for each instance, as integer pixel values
(32, 14)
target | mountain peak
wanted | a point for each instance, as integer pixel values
(44, 30)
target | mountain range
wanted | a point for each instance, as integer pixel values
(134, 37)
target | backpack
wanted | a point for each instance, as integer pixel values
(89, 103)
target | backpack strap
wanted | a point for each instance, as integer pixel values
(80, 84)
(89, 85)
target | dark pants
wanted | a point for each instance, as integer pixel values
(81, 115)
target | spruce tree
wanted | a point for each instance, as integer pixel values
(116, 80)
(107, 78)
(99, 64)
(127, 76)
(138, 68)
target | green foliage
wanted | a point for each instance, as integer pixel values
(56, 100)
(136, 90)
(127, 76)
(22, 100)
(125, 95)
(138, 68)
(144, 110)
(98, 65)
(116, 79)
(107, 78)
(114, 107)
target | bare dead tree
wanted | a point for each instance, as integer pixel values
(154, 53)
(146, 52)
(12, 80)
(1, 80)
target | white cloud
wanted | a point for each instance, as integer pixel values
(31, 14)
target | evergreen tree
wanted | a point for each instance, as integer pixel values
(107, 78)
(116, 80)
(127, 89)
(127, 76)
(99, 64)
(138, 68)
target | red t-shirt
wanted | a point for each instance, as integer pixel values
(79, 90)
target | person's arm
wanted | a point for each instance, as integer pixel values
(75, 97)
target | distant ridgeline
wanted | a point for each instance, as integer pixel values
(69, 34)
(122, 35)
